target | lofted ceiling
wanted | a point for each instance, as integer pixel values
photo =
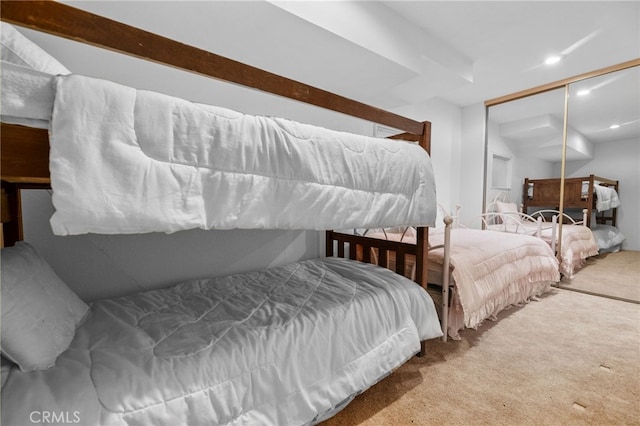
(403, 55)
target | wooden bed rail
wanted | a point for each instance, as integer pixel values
(546, 194)
(360, 248)
(357, 247)
(75, 24)
(24, 154)
(384, 252)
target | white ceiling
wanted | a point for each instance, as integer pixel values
(509, 40)
(399, 55)
(401, 52)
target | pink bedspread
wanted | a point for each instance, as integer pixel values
(490, 271)
(577, 245)
(493, 270)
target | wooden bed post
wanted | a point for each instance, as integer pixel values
(422, 244)
(590, 200)
(422, 240)
(328, 244)
(525, 196)
(11, 205)
(615, 211)
(11, 230)
(425, 138)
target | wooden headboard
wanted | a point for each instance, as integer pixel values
(25, 151)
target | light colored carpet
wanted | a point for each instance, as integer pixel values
(614, 275)
(569, 358)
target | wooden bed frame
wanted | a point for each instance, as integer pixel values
(25, 151)
(546, 193)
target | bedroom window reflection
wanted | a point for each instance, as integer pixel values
(500, 172)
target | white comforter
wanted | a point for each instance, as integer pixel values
(130, 161)
(606, 198)
(277, 347)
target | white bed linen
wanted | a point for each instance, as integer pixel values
(606, 198)
(18, 49)
(277, 347)
(26, 95)
(129, 161)
(608, 237)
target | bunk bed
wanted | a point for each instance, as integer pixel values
(252, 348)
(594, 195)
(598, 195)
(473, 274)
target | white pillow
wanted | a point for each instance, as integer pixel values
(39, 312)
(19, 50)
(506, 208)
(509, 212)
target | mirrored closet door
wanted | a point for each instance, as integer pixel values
(524, 141)
(543, 143)
(604, 115)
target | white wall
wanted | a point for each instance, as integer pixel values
(522, 166)
(618, 160)
(472, 169)
(446, 148)
(99, 266)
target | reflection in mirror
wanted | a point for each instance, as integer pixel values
(593, 122)
(524, 140)
(604, 112)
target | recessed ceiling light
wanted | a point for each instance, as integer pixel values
(583, 92)
(614, 126)
(552, 60)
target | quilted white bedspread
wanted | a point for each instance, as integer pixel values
(277, 347)
(132, 161)
(606, 198)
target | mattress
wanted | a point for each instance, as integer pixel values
(131, 161)
(281, 346)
